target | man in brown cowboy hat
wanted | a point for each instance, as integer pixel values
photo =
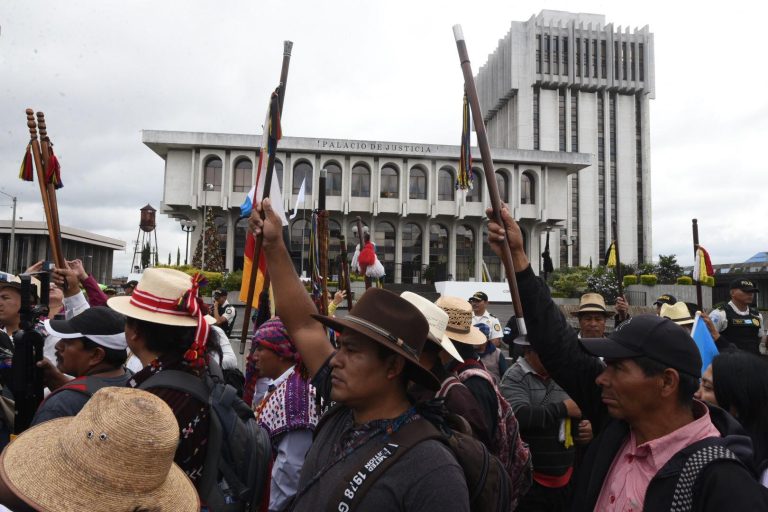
(592, 315)
(379, 347)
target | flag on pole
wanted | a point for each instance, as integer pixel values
(702, 268)
(703, 339)
(464, 176)
(548, 266)
(486, 274)
(610, 255)
(300, 198)
(271, 134)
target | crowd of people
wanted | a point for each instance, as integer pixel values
(400, 404)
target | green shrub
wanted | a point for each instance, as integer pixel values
(570, 281)
(233, 281)
(709, 281)
(630, 280)
(686, 280)
(648, 279)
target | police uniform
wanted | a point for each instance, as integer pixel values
(742, 328)
(494, 326)
(227, 311)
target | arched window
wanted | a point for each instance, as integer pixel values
(501, 183)
(475, 195)
(445, 184)
(333, 180)
(241, 229)
(212, 173)
(279, 173)
(389, 182)
(527, 188)
(438, 252)
(384, 238)
(361, 180)
(353, 239)
(299, 245)
(465, 253)
(334, 249)
(302, 171)
(417, 183)
(243, 176)
(412, 257)
(492, 263)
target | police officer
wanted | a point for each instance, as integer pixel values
(480, 315)
(223, 311)
(737, 322)
(665, 298)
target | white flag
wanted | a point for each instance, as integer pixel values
(300, 199)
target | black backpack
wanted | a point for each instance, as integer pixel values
(488, 483)
(237, 461)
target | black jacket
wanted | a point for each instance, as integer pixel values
(726, 485)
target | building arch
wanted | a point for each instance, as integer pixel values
(528, 188)
(439, 243)
(446, 184)
(333, 178)
(385, 239)
(299, 245)
(389, 181)
(502, 182)
(465, 252)
(417, 182)
(361, 180)
(302, 170)
(476, 194)
(212, 172)
(412, 254)
(242, 176)
(278, 170)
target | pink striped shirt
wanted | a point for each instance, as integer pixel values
(635, 465)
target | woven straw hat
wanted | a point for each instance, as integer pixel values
(592, 303)
(438, 321)
(677, 312)
(460, 326)
(156, 298)
(116, 455)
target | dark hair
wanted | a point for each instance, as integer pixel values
(741, 385)
(112, 356)
(465, 351)
(171, 339)
(688, 384)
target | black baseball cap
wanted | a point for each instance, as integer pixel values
(102, 325)
(131, 284)
(478, 296)
(665, 299)
(744, 285)
(219, 292)
(651, 336)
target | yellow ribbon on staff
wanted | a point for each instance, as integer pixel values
(568, 434)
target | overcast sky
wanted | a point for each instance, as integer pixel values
(104, 70)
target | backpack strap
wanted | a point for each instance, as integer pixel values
(355, 485)
(446, 386)
(180, 381)
(682, 499)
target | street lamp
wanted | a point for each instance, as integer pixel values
(565, 239)
(187, 226)
(206, 188)
(12, 246)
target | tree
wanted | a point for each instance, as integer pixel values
(213, 259)
(570, 281)
(667, 270)
(169, 259)
(145, 255)
(178, 257)
(602, 280)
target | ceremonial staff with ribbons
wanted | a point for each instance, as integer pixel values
(696, 259)
(322, 243)
(490, 177)
(345, 277)
(275, 112)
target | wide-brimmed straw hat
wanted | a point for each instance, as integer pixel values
(677, 312)
(394, 323)
(592, 303)
(438, 321)
(460, 326)
(157, 298)
(116, 455)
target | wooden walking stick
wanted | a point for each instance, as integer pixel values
(322, 241)
(37, 157)
(490, 178)
(695, 227)
(276, 110)
(345, 271)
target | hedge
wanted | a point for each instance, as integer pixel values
(630, 280)
(686, 280)
(648, 279)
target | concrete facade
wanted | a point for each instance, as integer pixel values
(569, 82)
(417, 218)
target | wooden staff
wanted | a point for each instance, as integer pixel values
(45, 148)
(345, 271)
(361, 238)
(695, 227)
(276, 110)
(619, 277)
(490, 178)
(37, 157)
(322, 241)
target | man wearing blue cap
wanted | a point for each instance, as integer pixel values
(656, 448)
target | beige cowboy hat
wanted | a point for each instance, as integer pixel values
(156, 298)
(592, 303)
(116, 455)
(438, 321)
(460, 326)
(677, 312)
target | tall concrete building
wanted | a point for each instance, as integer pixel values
(570, 82)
